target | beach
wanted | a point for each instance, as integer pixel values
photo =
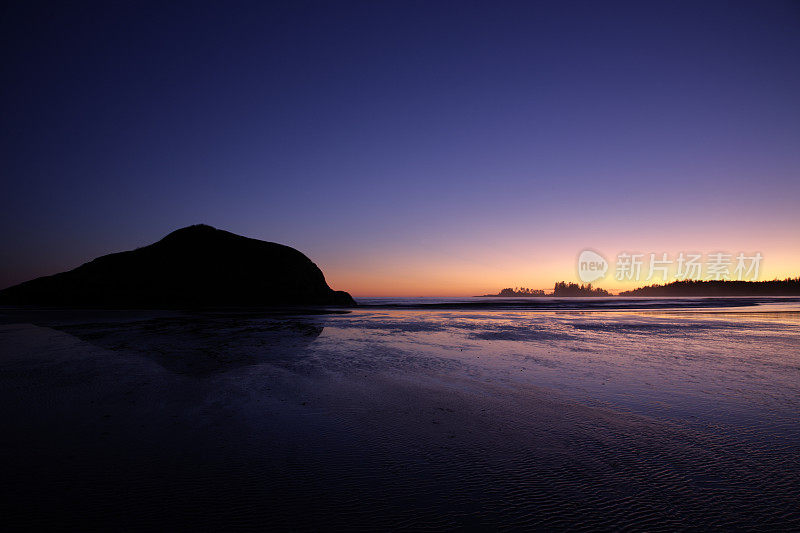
(405, 414)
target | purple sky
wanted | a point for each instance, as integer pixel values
(412, 148)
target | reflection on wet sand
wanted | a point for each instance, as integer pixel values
(204, 343)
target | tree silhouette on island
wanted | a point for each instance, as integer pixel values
(560, 289)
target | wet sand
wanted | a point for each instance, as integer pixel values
(401, 419)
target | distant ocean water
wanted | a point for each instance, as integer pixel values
(616, 303)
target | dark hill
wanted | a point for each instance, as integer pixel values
(194, 266)
(697, 288)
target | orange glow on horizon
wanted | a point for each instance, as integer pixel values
(454, 277)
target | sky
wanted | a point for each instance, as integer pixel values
(408, 148)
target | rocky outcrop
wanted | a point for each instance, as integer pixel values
(197, 266)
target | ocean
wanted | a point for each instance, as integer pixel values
(406, 413)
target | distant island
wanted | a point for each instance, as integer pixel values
(196, 266)
(560, 289)
(784, 287)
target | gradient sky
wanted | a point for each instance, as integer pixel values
(409, 148)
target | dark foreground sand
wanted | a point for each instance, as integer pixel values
(393, 419)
